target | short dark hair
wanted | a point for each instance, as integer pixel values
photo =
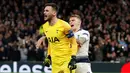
(53, 5)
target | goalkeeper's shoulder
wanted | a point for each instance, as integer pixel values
(45, 24)
(43, 27)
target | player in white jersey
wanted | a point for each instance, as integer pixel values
(83, 38)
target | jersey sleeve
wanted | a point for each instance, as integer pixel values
(85, 35)
(41, 30)
(69, 34)
(67, 30)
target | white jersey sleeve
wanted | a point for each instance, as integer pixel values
(83, 50)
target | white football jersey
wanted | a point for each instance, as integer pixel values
(83, 50)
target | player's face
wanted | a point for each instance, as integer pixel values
(48, 13)
(74, 23)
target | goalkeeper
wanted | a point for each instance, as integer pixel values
(62, 45)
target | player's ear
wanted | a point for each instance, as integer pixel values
(54, 13)
(79, 21)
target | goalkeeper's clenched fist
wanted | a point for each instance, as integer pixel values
(47, 61)
(72, 63)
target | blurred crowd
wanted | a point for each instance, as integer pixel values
(108, 22)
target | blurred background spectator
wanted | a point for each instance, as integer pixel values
(108, 22)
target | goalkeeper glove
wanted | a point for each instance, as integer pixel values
(72, 63)
(47, 61)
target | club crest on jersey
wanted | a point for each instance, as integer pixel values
(53, 39)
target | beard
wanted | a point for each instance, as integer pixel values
(48, 18)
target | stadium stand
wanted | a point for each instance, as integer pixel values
(108, 22)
